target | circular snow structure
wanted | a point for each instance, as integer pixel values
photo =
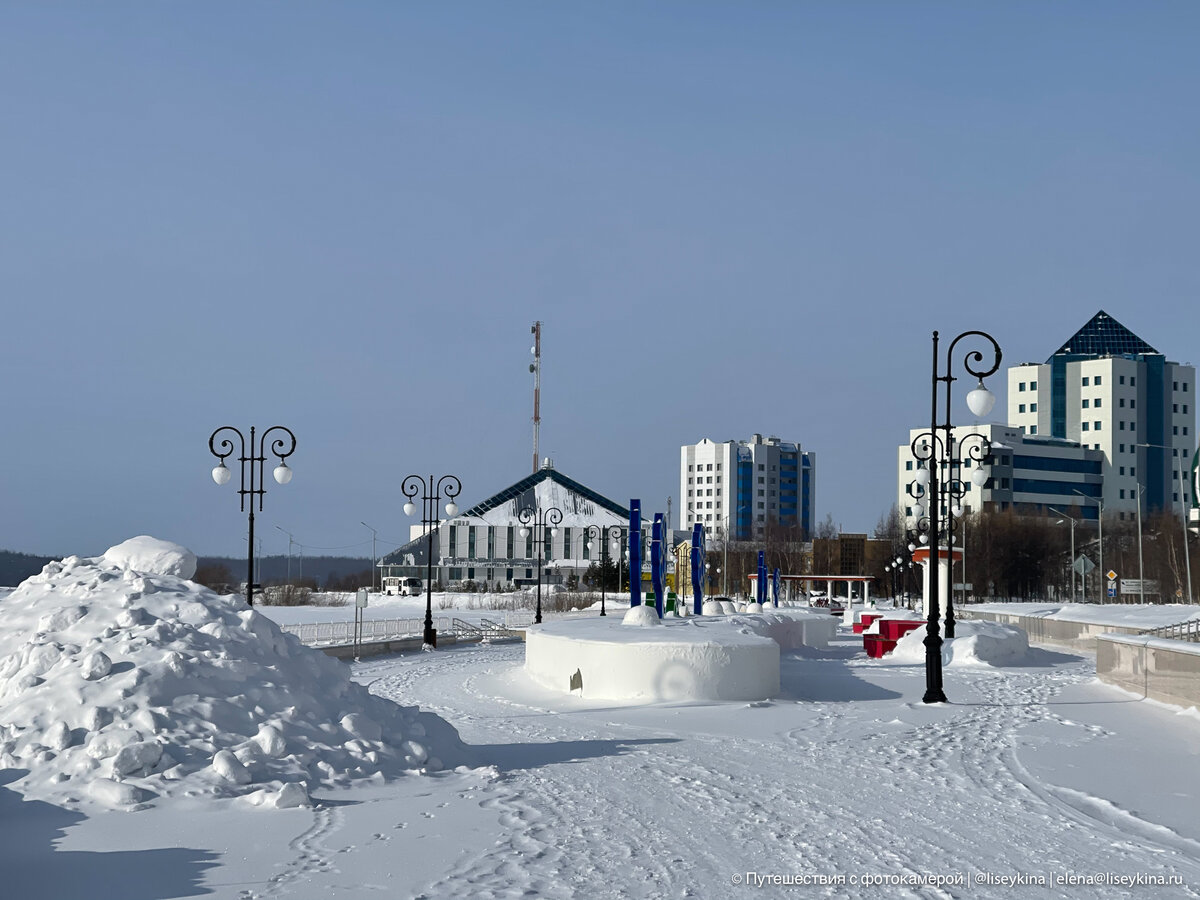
(696, 658)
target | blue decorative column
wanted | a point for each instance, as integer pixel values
(656, 562)
(697, 567)
(775, 586)
(635, 552)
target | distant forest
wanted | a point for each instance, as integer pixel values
(324, 571)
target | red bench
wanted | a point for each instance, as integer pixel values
(865, 622)
(890, 632)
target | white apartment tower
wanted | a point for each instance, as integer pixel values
(739, 487)
(1109, 390)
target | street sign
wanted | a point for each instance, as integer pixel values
(1083, 565)
(361, 598)
(1112, 576)
(1112, 589)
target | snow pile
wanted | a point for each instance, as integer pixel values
(791, 628)
(642, 615)
(975, 643)
(713, 608)
(121, 682)
(152, 556)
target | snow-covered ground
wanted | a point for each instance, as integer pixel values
(1034, 781)
(1134, 615)
(1035, 771)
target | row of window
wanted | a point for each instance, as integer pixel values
(705, 479)
(1032, 386)
(569, 542)
(704, 467)
(1032, 407)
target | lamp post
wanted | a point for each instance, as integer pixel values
(1070, 520)
(1141, 567)
(592, 534)
(252, 474)
(374, 558)
(1187, 555)
(980, 401)
(291, 540)
(537, 520)
(431, 495)
(1099, 501)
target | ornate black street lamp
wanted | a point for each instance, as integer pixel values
(539, 520)
(431, 495)
(980, 401)
(252, 474)
(594, 534)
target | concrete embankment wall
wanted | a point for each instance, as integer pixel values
(1158, 668)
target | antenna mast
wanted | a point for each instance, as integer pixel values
(536, 368)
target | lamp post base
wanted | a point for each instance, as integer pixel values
(431, 636)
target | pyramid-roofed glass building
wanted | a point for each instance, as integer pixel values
(1108, 389)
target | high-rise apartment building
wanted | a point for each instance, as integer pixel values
(1109, 390)
(739, 488)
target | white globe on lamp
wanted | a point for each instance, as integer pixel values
(282, 473)
(221, 474)
(922, 477)
(409, 508)
(979, 477)
(980, 401)
(451, 509)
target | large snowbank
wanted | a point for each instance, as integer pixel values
(120, 686)
(974, 644)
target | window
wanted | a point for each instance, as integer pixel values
(1033, 385)
(1122, 497)
(1121, 402)
(1033, 407)
(908, 466)
(1122, 424)
(761, 480)
(760, 493)
(1099, 402)
(1033, 429)
(1098, 377)
(1085, 381)
(1122, 449)
(709, 480)
(1021, 408)
(1085, 406)
(761, 467)
(708, 468)
(1021, 386)
(718, 467)
(1133, 404)
(1122, 470)
(691, 468)
(1085, 426)
(1095, 426)
(1133, 471)
(1133, 381)
(1174, 430)
(1174, 407)
(1174, 385)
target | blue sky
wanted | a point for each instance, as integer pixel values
(731, 217)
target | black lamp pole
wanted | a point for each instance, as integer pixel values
(594, 533)
(929, 441)
(431, 495)
(252, 474)
(538, 519)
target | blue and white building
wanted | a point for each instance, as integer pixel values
(1027, 473)
(1110, 391)
(739, 488)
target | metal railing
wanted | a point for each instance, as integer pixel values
(332, 633)
(1184, 631)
